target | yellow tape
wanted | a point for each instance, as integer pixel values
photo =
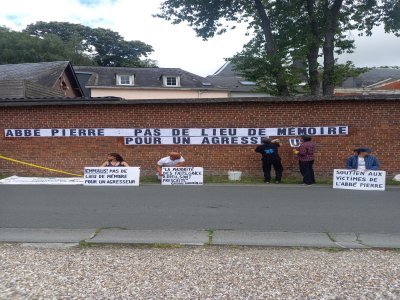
(37, 166)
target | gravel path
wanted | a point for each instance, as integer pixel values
(123, 272)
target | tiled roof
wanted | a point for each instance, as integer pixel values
(20, 88)
(44, 73)
(144, 77)
(226, 70)
(233, 83)
(228, 78)
(371, 77)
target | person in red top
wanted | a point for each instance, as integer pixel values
(305, 155)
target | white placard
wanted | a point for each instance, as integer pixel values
(182, 176)
(358, 180)
(116, 176)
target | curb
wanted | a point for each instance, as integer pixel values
(201, 238)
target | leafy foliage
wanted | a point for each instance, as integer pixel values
(18, 47)
(288, 35)
(254, 63)
(391, 16)
(209, 18)
(346, 70)
(79, 44)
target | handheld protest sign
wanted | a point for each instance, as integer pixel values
(112, 176)
(182, 176)
(369, 180)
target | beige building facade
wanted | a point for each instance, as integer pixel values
(146, 83)
(154, 93)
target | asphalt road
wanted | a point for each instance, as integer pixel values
(219, 207)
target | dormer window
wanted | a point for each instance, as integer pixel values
(171, 81)
(125, 79)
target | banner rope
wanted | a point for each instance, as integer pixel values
(37, 166)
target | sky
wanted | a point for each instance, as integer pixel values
(175, 46)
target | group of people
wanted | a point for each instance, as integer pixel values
(174, 159)
(269, 149)
(270, 157)
(361, 159)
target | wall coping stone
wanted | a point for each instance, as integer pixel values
(10, 102)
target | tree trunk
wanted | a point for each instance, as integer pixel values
(331, 20)
(271, 49)
(313, 50)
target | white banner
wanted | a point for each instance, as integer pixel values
(197, 140)
(175, 132)
(116, 176)
(43, 180)
(182, 176)
(358, 180)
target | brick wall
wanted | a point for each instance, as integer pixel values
(373, 122)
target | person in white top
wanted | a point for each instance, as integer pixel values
(362, 160)
(361, 163)
(174, 159)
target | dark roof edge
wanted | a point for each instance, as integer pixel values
(78, 85)
(59, 101)
(118, 101)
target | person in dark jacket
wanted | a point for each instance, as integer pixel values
(270, 157)
(114, 160)
(362, 161)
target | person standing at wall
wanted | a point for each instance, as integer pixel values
(270, 157)
(305, 154)
(114, 160)
(363, 160)
(174, 159)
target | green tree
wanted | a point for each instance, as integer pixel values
(105, 47)
(346, 70)
(289, 35)
(214, 17)
(18, 47)
(254, 64)
(305, 28)
(339, 16)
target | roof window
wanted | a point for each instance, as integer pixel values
(125, 79)
(171, 81)
(247, 82)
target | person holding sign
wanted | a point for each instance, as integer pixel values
(270, 157)
(174, 159)
(305, 155)
(362, 161)
(114, 160)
